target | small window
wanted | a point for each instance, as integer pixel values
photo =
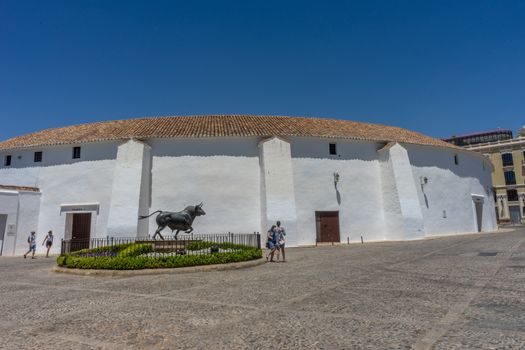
(333, 148)
(38, 157)
(512, 195)
(456, 160)
(7, 160)
(76, 152)
(510, 178)
(507, 159)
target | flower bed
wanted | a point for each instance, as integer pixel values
(133, 256)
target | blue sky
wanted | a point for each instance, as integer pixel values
(437, 67)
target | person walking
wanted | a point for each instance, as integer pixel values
(48, 242)
(280, 234)
(32, 244)
(271, 243)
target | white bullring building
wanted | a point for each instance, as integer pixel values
(324, 179)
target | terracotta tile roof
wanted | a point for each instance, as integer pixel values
(19, 188)
(218, 126)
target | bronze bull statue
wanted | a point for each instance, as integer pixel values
(180, 221)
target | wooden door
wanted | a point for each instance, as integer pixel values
(327, 226)
(81, 230)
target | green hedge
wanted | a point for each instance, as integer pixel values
(138, 262)
(128, 257)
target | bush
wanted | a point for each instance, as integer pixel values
(128, 257)
(199, 245)
(116, 248)
(206, 244)
(136, 249)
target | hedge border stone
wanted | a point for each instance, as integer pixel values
(159, 271)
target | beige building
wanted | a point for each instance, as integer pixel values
(508, 176)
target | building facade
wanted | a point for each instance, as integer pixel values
(326, 180)
(508, 177)
(480, 137)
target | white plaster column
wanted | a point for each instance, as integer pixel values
(277, 188)
(403, 216)
(131, 190)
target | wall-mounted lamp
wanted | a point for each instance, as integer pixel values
(423, 180)
(336, 178)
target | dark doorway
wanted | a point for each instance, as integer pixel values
(327, 223)
(479, 214)
(80, 232)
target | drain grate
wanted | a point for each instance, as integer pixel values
(488, 254)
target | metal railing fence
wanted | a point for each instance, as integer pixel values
(196, 244)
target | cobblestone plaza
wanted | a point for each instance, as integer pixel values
(455, 292)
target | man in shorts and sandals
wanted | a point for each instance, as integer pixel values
(32, 244)
(48, 242)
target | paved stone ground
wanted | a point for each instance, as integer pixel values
(430, 294)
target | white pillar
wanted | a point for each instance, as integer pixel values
(277, 188)
(131, 190)
(402, 210)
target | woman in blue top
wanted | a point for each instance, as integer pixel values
(271, 243)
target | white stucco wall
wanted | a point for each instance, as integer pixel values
(221, 173)
(63, 180)
(9, 207)
(22, 209)
(360, 207)
(450, 188)
(248, 183)
(29, 215)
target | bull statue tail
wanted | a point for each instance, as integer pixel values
(147, 216)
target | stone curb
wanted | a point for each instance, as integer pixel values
(145, 272)
(357, 243)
